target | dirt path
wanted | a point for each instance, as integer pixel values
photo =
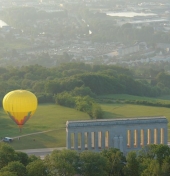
(36, 133)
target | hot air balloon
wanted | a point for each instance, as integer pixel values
(20, 105)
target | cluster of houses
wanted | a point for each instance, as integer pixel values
(82, 48)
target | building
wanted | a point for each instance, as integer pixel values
(124, 134)
(122, 51)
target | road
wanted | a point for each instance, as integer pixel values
(41, 152)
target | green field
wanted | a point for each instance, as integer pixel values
(53, 117)
(164, 99)
(47, 117)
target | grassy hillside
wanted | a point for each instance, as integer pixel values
(165, 99)
(53, 118)
(132, 111)
(47, 117)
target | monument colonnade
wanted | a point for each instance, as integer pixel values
(124, 134)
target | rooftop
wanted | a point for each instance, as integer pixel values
(125, 121)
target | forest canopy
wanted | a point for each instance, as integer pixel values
(150, 160)
(81, 80)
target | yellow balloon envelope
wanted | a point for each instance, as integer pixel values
(20, 105)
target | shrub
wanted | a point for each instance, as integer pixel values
(97, 112)
(65, 99)
(82, 91)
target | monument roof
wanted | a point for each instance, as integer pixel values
(120, 121)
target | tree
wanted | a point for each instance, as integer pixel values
(82, 91)
(65, 99)
(38, 87)
(97, 112)
(36, 168)
(32, 158)
(132, 165)
(85, 104)
(93, 164)
(15, 167)
(70, 83)
(166, 166)
(116, 160)
(22, 158)
(162, 151)
(7, 173)
(153, 169)
(52, 87)
(7, 154)
(65, 162)
(157, 152)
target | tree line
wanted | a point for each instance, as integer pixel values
(77, 85)
(79, 79)
(152, 160)
(100, 79)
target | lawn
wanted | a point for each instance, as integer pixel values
(54, 117)
(164, 99)
(47, 117)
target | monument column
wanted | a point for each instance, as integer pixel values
(115, 142)
(89, 141)
(162, 135)
(96, 140)
(145, 137)
(159, 135)
(152, 135)
(68, 140)
(165, 136)
(75, 141)
(121, 143)
(103, 140)
(110, 137)
(155, 136)
(138, 138)
(82, 141)
(131, 138)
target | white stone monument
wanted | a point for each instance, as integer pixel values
(125, 134)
